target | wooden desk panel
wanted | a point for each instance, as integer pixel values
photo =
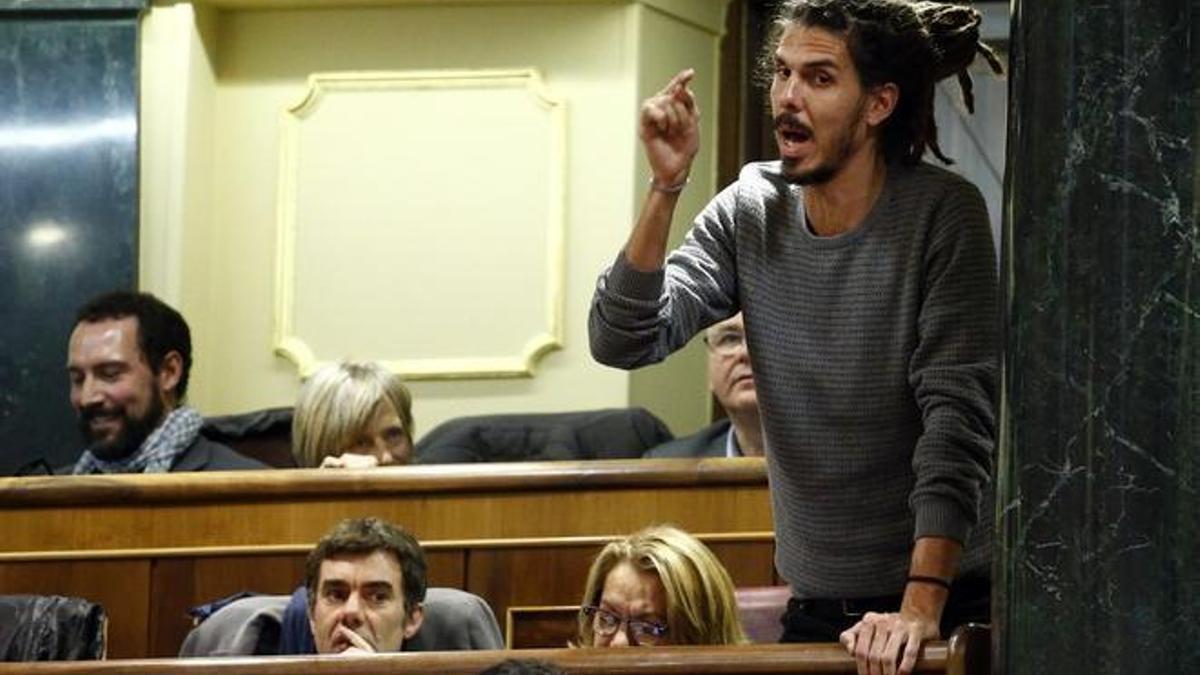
(450, 502)
(178, 584)
(119, 585)
(750, 562)
(556, 574)
(512, 533)
(542, 575)
(541, 627)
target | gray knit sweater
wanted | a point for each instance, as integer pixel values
(874, 354)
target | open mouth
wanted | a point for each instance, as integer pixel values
(795, 135)
(793, 141)
(791, 133)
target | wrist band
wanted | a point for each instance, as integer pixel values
(921, 579)
(670, 189)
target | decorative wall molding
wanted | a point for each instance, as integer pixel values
(543, 338)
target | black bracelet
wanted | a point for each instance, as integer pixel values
(922, 579)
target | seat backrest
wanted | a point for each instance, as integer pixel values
(761, 610)
(246, 627)
(51, 628)
(454, 620)
(265, 435)
(614, 433)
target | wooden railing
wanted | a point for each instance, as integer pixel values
(822, 659)
(150, 547)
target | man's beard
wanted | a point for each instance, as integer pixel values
(822, 173)
(130, 435)
(843, 147)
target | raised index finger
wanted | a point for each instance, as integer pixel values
(679, 82)
(356, 639)
(686, 98)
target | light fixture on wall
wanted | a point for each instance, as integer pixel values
(48, 136)
(46, 234)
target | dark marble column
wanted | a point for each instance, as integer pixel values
(1099, 497)
(68, 200)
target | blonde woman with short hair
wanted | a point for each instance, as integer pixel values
(655, 587)
(353, 415)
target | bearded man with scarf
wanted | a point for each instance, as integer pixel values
(129, 358)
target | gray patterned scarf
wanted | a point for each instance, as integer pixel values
(158, 452)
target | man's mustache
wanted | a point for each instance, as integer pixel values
(89, 413)
(786, 122)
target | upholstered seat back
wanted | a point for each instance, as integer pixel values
(617, 433)
(265, 435)
(761, 609)
(454, 620)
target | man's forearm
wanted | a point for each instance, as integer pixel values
(647, 245)
(935, 557)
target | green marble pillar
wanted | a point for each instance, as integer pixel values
(1098, 472)
(68, 201)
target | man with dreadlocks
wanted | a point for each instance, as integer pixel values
(867, 279)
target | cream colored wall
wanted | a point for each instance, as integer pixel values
(215, 82)
(178, 90)
(490, 246)
(677, 389)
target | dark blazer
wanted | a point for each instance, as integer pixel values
(201, 455)
(708, 442)
(206, 455)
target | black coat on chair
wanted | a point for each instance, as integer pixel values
(615, 433)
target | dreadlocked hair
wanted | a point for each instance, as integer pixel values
(912, 44)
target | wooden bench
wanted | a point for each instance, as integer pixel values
(523, 534)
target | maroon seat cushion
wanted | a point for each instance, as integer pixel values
(761, 608)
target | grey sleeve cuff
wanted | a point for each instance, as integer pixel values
(625, 281)
(941, 518)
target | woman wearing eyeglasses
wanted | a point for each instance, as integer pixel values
(655, 587)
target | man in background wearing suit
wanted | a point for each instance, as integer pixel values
(128, 359)
(732, 382)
